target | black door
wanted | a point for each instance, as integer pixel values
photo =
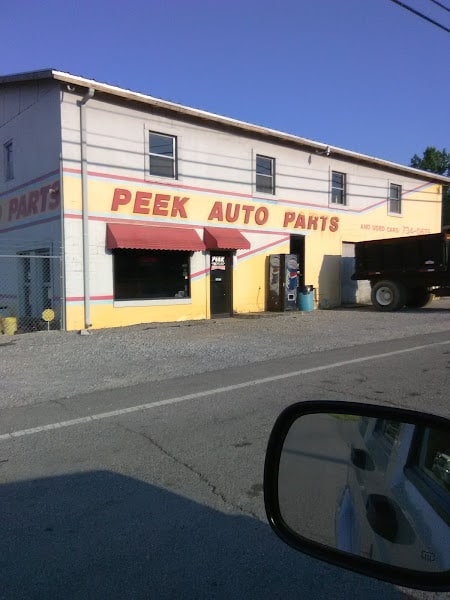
(297, 246)
(220, 282)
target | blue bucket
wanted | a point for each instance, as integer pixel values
(306, 298)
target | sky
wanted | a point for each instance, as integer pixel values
(364, 75)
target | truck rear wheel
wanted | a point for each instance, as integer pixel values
(388, 295)
(418, 297)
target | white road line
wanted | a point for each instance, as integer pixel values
(220, 390)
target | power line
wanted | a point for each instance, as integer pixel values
(441, 5)
(419, 14)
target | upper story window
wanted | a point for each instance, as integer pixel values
(163, 155)
(8, 160)
(338, 185)
(265, 174)
(395, 199)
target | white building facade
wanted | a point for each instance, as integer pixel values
(157, 212)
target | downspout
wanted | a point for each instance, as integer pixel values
(84, 210)
(62, 250)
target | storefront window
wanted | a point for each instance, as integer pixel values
(151, 274)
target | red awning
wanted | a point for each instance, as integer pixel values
(225, 239)
(152, 237)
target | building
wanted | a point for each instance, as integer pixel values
(118, 208)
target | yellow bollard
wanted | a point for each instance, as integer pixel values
(9, 325)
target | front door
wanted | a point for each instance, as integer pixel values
(220, 282)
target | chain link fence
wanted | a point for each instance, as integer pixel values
(30, 291)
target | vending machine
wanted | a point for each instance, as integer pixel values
(283, 281)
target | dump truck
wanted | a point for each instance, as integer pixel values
(406, 271)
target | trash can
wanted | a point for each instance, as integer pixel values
(9, 325)
(306, 298)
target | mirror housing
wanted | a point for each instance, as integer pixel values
(292, 474)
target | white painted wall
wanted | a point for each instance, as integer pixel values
(29, 116)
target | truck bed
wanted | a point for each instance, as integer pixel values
(415, 254)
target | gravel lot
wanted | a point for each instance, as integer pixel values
(42, 366)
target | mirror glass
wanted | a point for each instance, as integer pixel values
(374, 488)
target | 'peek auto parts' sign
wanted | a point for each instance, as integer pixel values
(177, 206)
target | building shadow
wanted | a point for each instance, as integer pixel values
(102, 535)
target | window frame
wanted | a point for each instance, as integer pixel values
(341, 189)
(429, 489)
(173, 158)
(397, 200)
(271, 177)
(8, 160)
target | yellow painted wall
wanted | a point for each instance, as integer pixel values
(105, 314)
(250, 281)
(325, 229)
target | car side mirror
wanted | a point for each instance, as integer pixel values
(363, 487)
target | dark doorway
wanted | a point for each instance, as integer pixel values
(297, 246)
(220, 283)
(352, 292)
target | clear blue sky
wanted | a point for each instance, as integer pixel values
(365, 75)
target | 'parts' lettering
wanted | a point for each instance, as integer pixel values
(35, 202)
(313, 222)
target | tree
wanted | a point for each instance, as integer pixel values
(436, 161)
(433, 160)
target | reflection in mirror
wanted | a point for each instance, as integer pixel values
(371, 487)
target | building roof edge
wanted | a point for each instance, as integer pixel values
(219, 119)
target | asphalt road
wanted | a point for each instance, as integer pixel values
(316, 456)
(155, 490)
